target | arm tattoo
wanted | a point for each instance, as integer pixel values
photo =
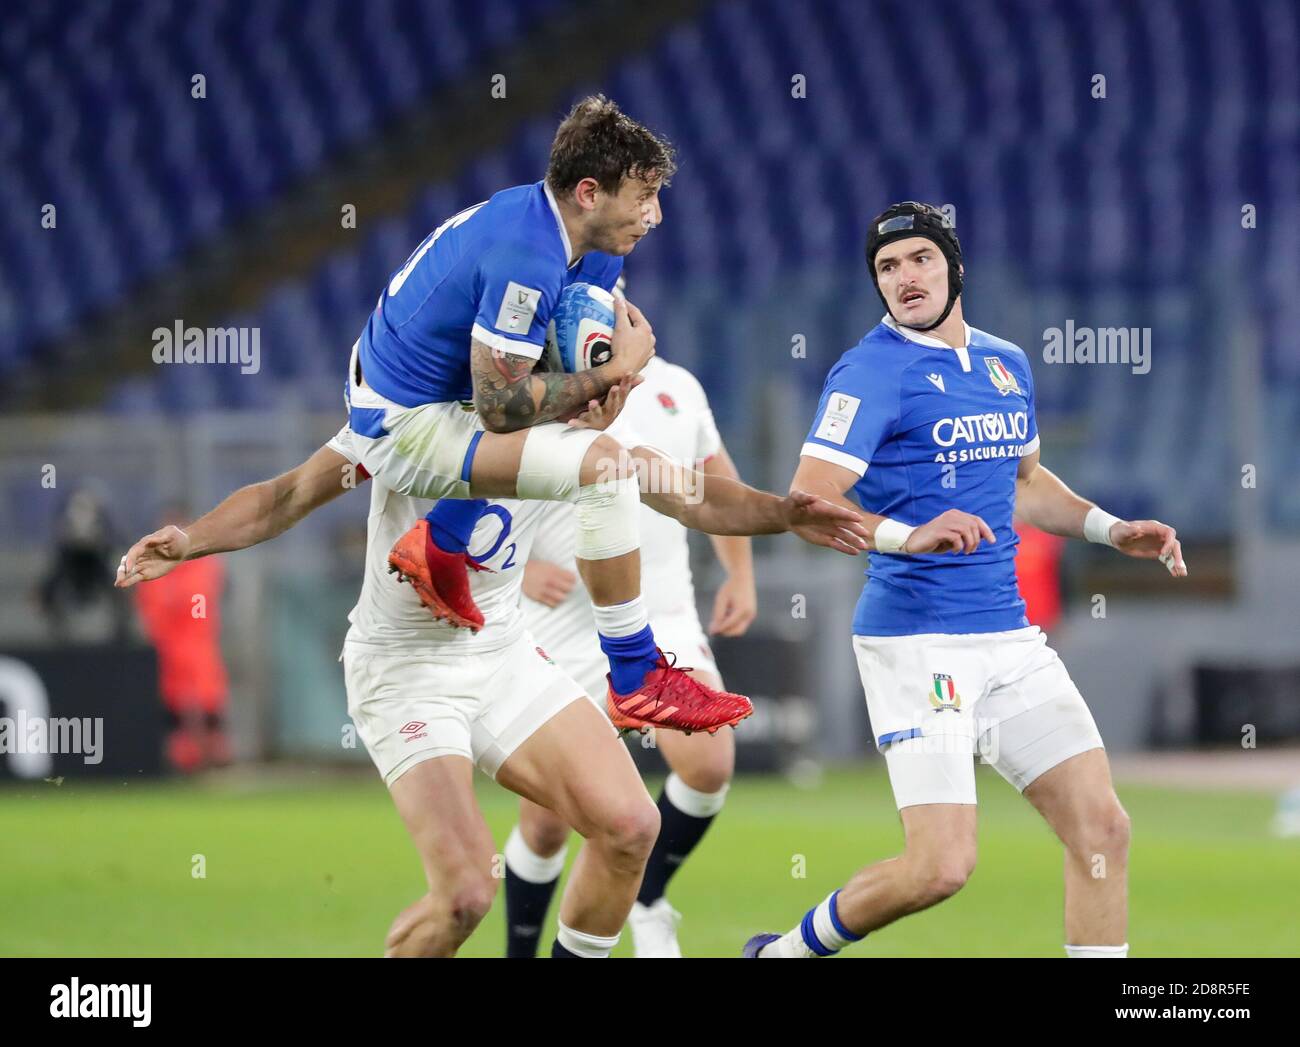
(510, 397)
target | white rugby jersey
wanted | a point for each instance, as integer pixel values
(668, 411)
(389, 614)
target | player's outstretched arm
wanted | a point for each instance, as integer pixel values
(510, 396)
(1044, 501)
(251, 515)
(718, 505)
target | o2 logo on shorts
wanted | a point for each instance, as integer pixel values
(414, 730)
(507, 522)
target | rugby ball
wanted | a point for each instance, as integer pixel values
(581, 332)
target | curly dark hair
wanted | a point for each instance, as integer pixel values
(598, 140)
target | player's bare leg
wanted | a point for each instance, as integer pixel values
(1078, 801)
(576, 766)
(436, 801)
(938, 857)
(702, 765)
(543, 830)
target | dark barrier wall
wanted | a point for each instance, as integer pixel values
(1257, 704)
(80, 711)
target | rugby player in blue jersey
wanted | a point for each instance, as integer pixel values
(444, 401)
(931, 424)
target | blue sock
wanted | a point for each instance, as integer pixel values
(631, 658)
(452, 520)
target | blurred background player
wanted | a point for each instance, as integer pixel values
(444, 401)
(924, 414)
(182, 619)
(669, 411)
(75, 593)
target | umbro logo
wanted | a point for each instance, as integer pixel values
(937, 381)
(414, 730)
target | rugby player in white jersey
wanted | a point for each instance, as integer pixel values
(431, 702)
(668, 411)
(931, 423)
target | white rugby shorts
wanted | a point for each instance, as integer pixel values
(410, 706)
(937, 700)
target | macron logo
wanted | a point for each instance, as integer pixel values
(937, 381)
(102, 1001)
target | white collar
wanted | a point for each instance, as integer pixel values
(559, 221)
(921, 338)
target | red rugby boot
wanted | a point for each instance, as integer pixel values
(440, 579)
(670, 699)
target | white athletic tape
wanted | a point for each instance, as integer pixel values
(1170, 563)
(891, 536)
(608, 518)
(1097, 525)
(552, 462)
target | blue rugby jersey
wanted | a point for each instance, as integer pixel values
(928, 428)
(492, 272)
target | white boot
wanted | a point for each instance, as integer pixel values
(654, 930)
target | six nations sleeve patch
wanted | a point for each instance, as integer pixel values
(838, 417)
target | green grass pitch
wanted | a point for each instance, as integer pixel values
(318, 866)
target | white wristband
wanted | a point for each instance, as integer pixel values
(1097, 525)
(891, 536)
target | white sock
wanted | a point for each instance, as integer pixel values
(692, 801)
(622, 619)
(1097, 952)
(527, 864)
(587, 946)
(819, 933)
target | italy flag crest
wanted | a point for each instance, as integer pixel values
(944, 693)
(1002, 379)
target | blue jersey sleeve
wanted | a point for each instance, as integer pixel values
(857, 413)
(517, 292)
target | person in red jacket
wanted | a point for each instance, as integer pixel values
(1038, 570)
(182, 618)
